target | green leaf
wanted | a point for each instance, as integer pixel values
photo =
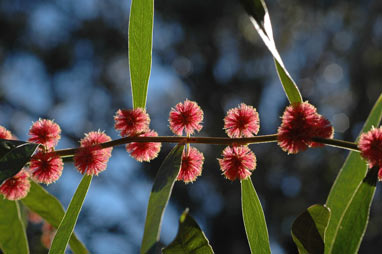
(15, 154)
(259, 16)
(190, 238)
(13, 239)
(67, 224)
(308, 230)
(254, 220)
(50, 209)
(160, 194)
(140, 48)
(344, 194)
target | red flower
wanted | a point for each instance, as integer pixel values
(300, 123)
(370, 144)
(4, 133)
(242, 121)
(131, 121)
(16, 187)
(237, 162)
(46, 167)
(45, 132)
(144, 151)
(191, 167)
(97, 137)
(91, 159)
(48, 233)
(186, 116)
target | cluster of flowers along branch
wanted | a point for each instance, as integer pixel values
(302, 127)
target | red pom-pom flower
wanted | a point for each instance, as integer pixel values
(130, 122)
(144, 151)
(45, 132)
(370, 144)
(186, 116)
(242, 121)
(4, 133)
(46, 167)
(301, 123)
(237, 162)
(16, 187)
(91, 159)
(192, 163)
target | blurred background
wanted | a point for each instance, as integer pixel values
(67, 60)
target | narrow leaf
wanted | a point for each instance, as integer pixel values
(13, 239)
(160, 194)
(15, 154)
(50, 209)
(348, 185)
(308, 230)
(67, 224)
(254, 220)
(190, 238)
(140, 48)
(260, 19)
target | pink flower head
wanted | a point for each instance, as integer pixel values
(144, 151)
(34, 217)
(301, 123)
(185, 116)
(45, 132)
(48, 233)
(237, 162)
(191, 167)
(16, 187)
(91, 159)
(370, 144)
(46, 167)
(242, 121)
(4, 133)
(131, 121)
(97, 137)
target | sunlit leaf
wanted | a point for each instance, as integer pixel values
(345, 194)
(190, 238)
(140, 48)
(160, 194)
(308, 230)
(13, 239)
(66, 227)
(50, 209)
(14, 155)
(260, 19)
(254, 220)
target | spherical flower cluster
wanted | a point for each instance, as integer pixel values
(90, 158)
(192, 163)
(4, 133)
(130, 122)
(144, 151)
(242, 121)
(16, 187)
(301, 123)
(186, 116)
(45, 132)
(46, 167)
(370, 144)
(237, 162)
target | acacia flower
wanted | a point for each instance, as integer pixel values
(131, 121)
(4, 133)
(144, 151)
(46, 167)
(242, 121)
(45, 132)
(300, 123)
(370, 144)
(186, 116)
(16, 187)
(191, 168)
(90, 158)
(237, 162)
